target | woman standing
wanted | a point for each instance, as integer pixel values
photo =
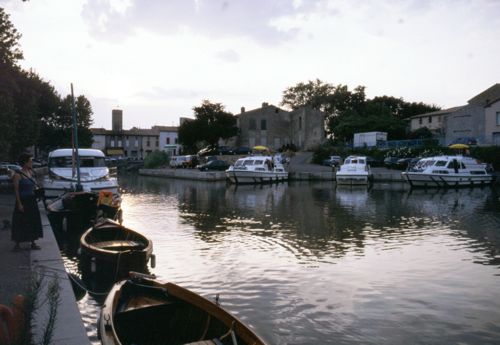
(26, 223)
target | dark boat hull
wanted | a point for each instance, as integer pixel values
(148, 312)
(111, 243)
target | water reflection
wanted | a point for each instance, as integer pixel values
(308, 263)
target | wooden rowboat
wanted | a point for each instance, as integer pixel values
(142, 311)
(110, 242)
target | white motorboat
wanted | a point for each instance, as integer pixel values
(448, 171)
(257, 169)
(62, 176)
(354, 171)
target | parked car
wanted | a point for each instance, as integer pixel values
(5, 175)
(242, 150)
(374, 162)
(332, 161)
(391, 162)
(216, 164)
(189, 161)
(405, 163)
(213, 150)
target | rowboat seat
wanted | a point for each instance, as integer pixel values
(203, 342)
(119, 245)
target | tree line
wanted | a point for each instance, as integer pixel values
(32, 113)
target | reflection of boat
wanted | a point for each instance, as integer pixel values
(354, 171)
(354, 197)
(448, 171)
(144, 311)
(256, 169)
(109, 242)
(94, 175)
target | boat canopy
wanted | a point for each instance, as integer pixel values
(81, 153)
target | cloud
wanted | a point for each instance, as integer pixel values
(158, 93)
(228, 56)
(216, 18)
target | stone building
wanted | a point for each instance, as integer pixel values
(476, 122)
(134, 142)
(479, 119)
(274, 127)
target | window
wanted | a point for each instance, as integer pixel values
(263, 124)
(498, 118)
(252, 124)
(300, 122)
(176, 140)
(419, 120)
(430, 119)
(168, 141)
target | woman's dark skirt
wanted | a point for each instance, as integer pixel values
(27, 226)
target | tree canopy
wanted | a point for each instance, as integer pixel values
(32, 113)
(348, 112)
(211, 123)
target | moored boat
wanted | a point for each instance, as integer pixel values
(110, 242)
(256, 169)
(76, 211)
(448, 171)
(142, 310)
(62, 177)
(354, 171)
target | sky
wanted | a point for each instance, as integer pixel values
(157, 59)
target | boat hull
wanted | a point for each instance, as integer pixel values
(110, 243)
(422, 180)
(255, 177)
(54, 188)
(148, 312)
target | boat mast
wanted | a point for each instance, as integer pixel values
(75, 141)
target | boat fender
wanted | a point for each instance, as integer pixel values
(93, 267)
(6, 325)
(153, 261)
(107, 325)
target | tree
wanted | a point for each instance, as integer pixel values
(421, 133)
(334, 101)
(211, 124)
(10, 52)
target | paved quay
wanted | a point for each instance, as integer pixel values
(17, 269)
(299, 168)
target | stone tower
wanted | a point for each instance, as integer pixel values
(117, 120)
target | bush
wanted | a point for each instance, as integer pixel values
(156, 159)
(487, 154)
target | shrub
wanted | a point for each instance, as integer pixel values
(156, 159)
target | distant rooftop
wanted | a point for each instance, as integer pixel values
(487, 97)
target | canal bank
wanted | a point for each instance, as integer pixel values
(19, 268)
(313, 174)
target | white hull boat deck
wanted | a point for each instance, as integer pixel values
(62, 177)
(448, 172)
(354, 171)
(255, 170)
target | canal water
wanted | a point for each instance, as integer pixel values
(309, 263)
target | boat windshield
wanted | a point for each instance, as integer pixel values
(85, 162)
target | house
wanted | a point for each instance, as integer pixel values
(274, 127)
(479, 119)
(135, 142)
(434, 121)
(477, 122)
